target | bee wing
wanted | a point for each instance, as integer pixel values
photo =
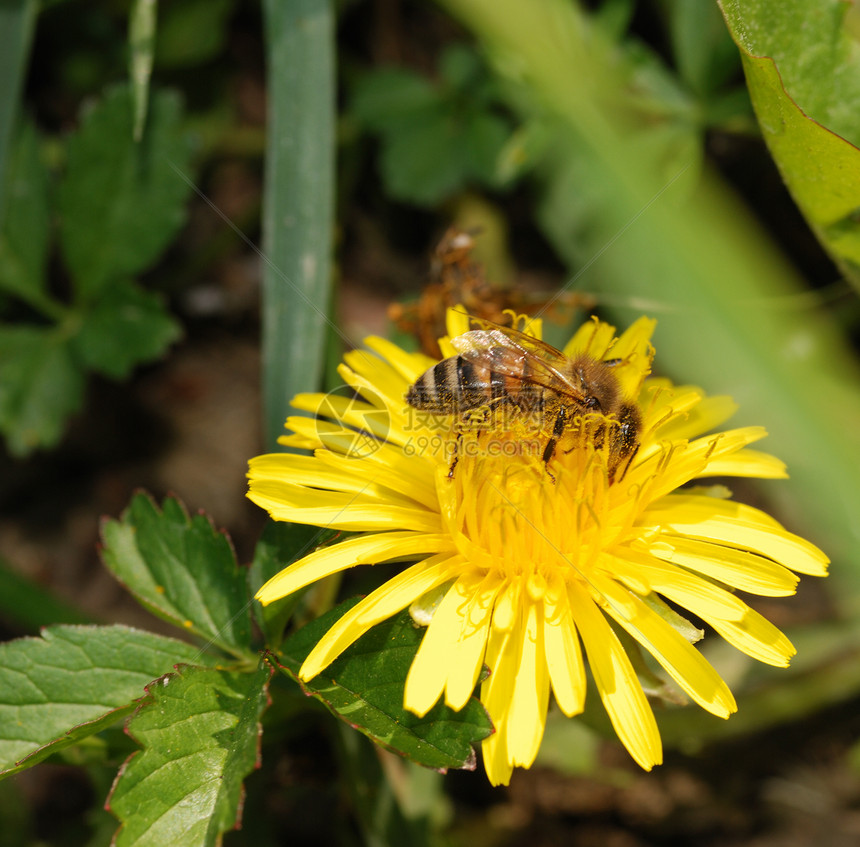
(506, 351)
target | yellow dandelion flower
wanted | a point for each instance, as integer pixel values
(532, 568)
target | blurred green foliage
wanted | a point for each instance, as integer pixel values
(437, 137)
(112, 211)
(625, 138)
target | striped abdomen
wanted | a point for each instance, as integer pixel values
(457, 385)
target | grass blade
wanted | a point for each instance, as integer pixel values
(298, 209)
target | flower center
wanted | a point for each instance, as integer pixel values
(511, 513)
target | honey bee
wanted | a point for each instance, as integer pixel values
(501, 367)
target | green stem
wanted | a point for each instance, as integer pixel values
(298, 209)
(45, 305)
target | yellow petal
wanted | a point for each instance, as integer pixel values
(683, 662)
(337, 509)
(429, 671)
(496, 695)
(616, 681)
(303, 427)
(563, 652)
(364, 550)
(409, 365)
(412, 480)
(527, 718)
(748, 463)
(373, 371)
(466, 662)
(391, 597)
(300, 441)
(334, 407)
(735, 525)
(737, 568)
(330, 472)
(687, 461)
(592, 338)
(682, 412)
(757, 637)
(634, 349)
(727, 614)
(699, 595)
(457, 321)
(507, 607)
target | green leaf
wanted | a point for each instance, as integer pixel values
(460, 67)
(120, 203)
(124, 326)
(425, 163)
(485, 136)
(814, 45)
(281, 544)
(40, 386)
(364, 687)
(434, 140)
(389, 99)
(702, 48)
(73, 682)
(209, 21)
(24, 232)
(804, 81)
(200, 732)
(181, 569)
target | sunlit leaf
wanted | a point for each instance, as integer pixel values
(73, 682)
(182, 569)
(803, 70)
(199, 730)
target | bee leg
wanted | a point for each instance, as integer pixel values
(557, 430)
(455, 455)
(623, 464)
(626, 444)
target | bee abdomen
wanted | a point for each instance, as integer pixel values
(431, 391)
(452, 385)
